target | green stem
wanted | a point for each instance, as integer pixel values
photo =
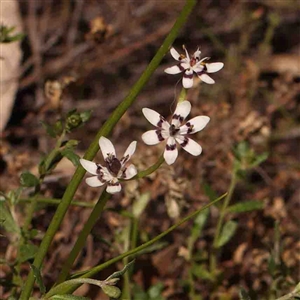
(55, 201)
(192, 291)
(132, 237)
(94, 147)
(94, 216)
(182, 95)
(213, 256)
(80, 242)
(132, 252)
(126, 294)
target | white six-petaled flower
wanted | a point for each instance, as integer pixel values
(193, 65)
(113, 170)
(174, 132)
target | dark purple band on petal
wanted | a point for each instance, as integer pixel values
(177, 117)
(190, 126)
(161, 121)
(181, 68)
(99, 168)
(113, 183)
(185, 142)
(159, 135)
(100, 177)
(171, 147)
(124, 159)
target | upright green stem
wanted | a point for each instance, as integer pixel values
(92, 150)
(56, 201)
(79, 244)
(94, 216)
(132, 240)
(213, 257)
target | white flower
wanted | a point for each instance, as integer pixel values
(175, 132)
(193, 65)
(114, 168)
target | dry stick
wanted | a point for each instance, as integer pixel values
(94, 147)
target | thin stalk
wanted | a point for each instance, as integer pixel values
(80, 242)
(94, 147)
(94, 216)
(133, 252)
(213, 256)
(182, 95)
(133, 234)
(292, 295)
(126, 293)
(192, 291)
(56, 201)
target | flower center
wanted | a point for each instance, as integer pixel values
(193, 61)
(173, 130)
(113, 165)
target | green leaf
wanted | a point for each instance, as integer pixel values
(111, 291)
(71, 156)
(260, 159)
(155, 291)
(68, 297)
(227, 233)
(38, 277)
(71, 144)
(140, 204)
(244, 295)
(6, 219)
(200, 271)
(27, 179)
(27, 252)
(120, 273)
(49, 129)
(200, 222)
(85, 116)
(245, 206)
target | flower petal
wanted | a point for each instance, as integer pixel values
(181, 112)
(207, 79)
(194, 125)
(106, 146)
(90, 166)
(198, 69)
(154, 117)
(128, 153)
(187, 80)
(187, 54)
(174, 70)
(214, 67)
(113, 187)
(189, 145)
(129, 172)
(174, 53)
(94, 181)
(152, 137)
(171, 151)
(197, 54)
